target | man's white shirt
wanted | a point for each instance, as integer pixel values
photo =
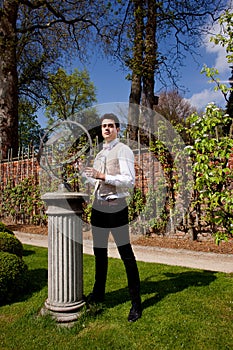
(124, 181)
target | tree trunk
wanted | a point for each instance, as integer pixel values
(136, 67)
(150, 61)
(8, 78)
(143, 65)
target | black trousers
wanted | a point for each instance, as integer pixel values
(113, 217)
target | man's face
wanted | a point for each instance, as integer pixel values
(109, 130)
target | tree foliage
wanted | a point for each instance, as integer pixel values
(36, 37)
(213, 198)
(161, 33)
(69, 94)
(225, 39)
(173, 30)
(30, 131)
(50, 34)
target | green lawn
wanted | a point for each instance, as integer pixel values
(182, 309)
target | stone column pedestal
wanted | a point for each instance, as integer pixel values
(65, 255)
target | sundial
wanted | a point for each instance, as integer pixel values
(65, 145)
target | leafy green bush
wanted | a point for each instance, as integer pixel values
(13, 276)
(3, 228)
(10, 244)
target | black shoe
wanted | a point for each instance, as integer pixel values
(94, 299)
(135, 313)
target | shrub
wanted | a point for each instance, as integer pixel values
(13, 276)
(10, 244)
(3, 228)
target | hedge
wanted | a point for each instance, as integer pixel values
(3, 228)
(9, 243)
(13, 276)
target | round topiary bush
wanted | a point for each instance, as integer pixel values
(3, 228)
(13, 277)
(9, 243)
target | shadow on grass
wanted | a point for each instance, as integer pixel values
(28, 252)
(35, 280)
(38, 279)
(172, 283)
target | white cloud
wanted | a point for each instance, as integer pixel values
(220, 52)
(201, 99)
(220, 63)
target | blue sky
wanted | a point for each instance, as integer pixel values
(111, 85)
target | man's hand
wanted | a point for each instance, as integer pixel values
(91, 172)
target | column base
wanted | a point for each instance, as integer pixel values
(63, 313)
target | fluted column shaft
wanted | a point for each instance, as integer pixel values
(65, 255)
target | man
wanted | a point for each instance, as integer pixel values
(113, 173)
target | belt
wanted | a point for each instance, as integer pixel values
(110, 202)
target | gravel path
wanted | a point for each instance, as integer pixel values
(167, 256)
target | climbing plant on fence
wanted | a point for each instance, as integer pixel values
(22, 202)
(212, 202)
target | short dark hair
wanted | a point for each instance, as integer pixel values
(111, 116)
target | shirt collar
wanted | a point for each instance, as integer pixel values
(110, 145)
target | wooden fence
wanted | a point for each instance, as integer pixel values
(14, 170)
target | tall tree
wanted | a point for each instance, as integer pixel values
(150, 61)
(174, 107)
(163, 32)
(69, 94)
(136, 68)
(71, 97)
(35, 37)
(8, 77)
(38, 36)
